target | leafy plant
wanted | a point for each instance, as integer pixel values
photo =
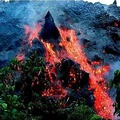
(115, 83)
(21, 87)
(83, 112)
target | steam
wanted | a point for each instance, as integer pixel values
(29, 13)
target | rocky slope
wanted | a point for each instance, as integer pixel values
(97, 26)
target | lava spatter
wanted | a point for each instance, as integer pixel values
(103, 103)
(32, 33)
(70, 48)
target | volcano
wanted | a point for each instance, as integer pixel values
(77, 72)
(78, 44)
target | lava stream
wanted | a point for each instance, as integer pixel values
(71, 49)
(103, 103)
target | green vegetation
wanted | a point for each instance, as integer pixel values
(115, 83)
(21, 99)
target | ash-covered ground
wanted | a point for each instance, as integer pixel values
(97, 27)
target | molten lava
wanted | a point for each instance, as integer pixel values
(20, 57)
(103, 103)
(50, 53)
(56, 90)
(72, 49)
(33, 33)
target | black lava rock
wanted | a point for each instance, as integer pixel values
(112, 50)
(115, 2)
(49, 31)
(72, 76)
(38, 47)
(2, 63)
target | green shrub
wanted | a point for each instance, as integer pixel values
(115, 83)
(20, 95)
(83, 112)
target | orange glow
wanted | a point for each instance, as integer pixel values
(103, 103)
(33, 33)
(73, 50)
(116, 24)
(20, 57)
(50, 53)
(96, 63)
(55, 91)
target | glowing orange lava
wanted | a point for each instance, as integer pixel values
(33, 33)
(72, 49)
(103, 103)
(56, 90)
(96, 62)
(20, 57)
(50, 53)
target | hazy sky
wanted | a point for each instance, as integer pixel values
(102, 1)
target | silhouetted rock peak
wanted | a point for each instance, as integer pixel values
(49, 31)
(49, 16)
(115, 2)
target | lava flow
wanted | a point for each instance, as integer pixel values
(33, 33)
(103, 103)
(70, 48)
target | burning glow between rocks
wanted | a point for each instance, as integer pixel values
(20, 57)
(71, 49)
(33, 33)
(56, 90)
(103, 103)
(50, 53)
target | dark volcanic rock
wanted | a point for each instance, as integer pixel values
(97, 23)
(115, 2)
(3, 63)
(114, 33)
(66, 68)
(38, 47)
(112, 50)
(49, 31)
(104, 20)
(75, 80)
(115, 37)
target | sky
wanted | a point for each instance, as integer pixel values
(108, 2)
(102, 1)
